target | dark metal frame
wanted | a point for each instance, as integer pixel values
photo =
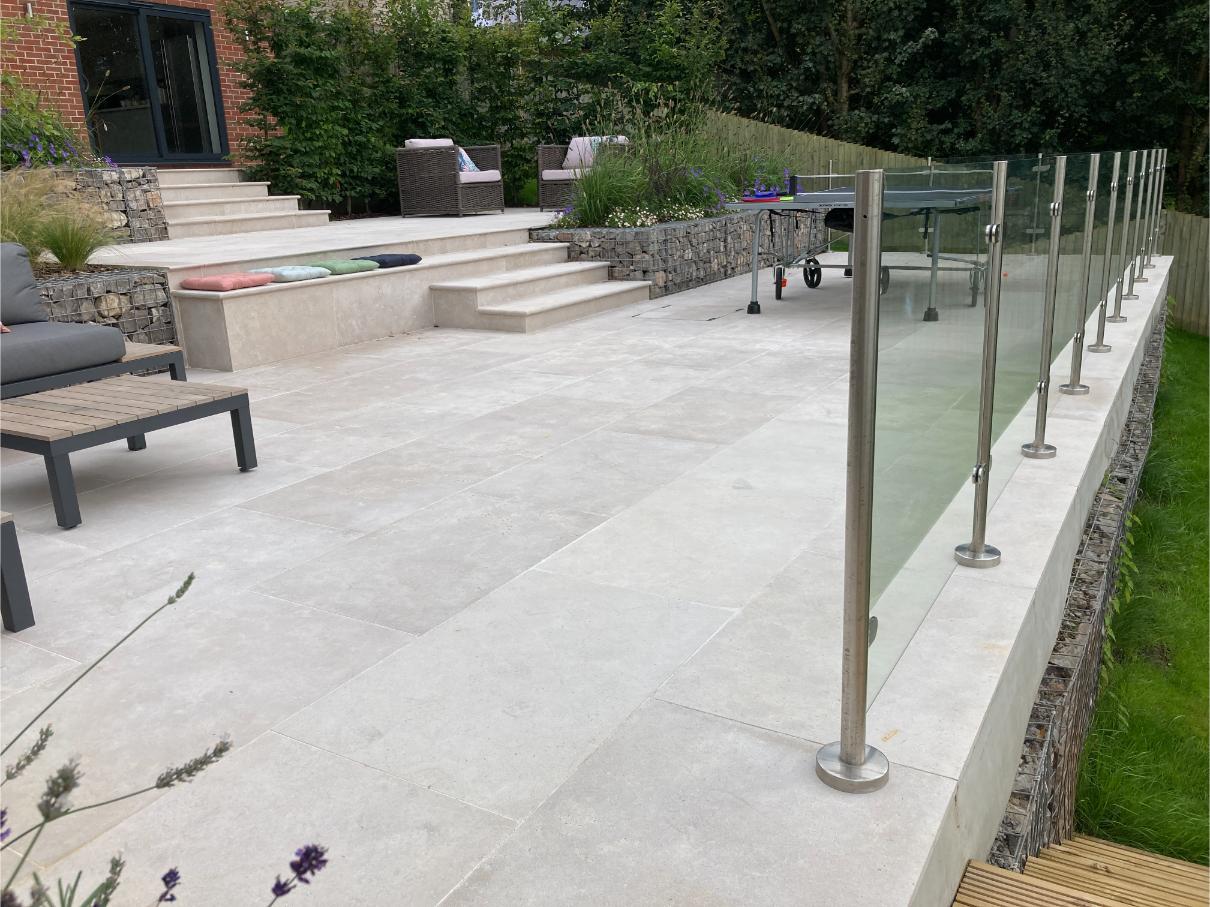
(57, 452)
(173, 360)
(15, 607)
(142, 11)
(428, 181)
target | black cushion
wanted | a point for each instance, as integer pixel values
(392, 261)
(20, 301)
(37, 349)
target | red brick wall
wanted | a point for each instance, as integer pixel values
(46, 62)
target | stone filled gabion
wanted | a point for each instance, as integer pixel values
(131, 199)
(682, 255)
(1041, 806)
(135, 302)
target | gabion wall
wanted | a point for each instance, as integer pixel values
(686, 254)
(1041, 807)
(131, 198)
(136, 302)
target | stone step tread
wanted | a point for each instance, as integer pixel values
(445, 259)
(523, 275)
(213, 186)
(563, 298)
(234, 218)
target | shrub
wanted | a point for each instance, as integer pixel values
(32, 135)
(71, 232)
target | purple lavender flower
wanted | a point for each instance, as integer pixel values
(311, 859)
(26, 161)
(171, 879)
(281, 887)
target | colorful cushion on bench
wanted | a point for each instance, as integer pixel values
(291, 273)
(221, 283)
(345, 265)
(400, 260)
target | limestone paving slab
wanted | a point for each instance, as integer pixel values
(498, 705)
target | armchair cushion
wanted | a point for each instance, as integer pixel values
(479, 176)
(20, 301)
(552, 176)
(583, 148)
(465, 164)
(428, 143)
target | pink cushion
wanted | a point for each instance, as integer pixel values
(221, 283)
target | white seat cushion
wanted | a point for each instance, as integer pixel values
(583, 148)
(479, 176)
(549, 175)
(428, 143)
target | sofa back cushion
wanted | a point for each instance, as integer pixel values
(20, 301)
(428, 143)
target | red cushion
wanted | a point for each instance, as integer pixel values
(220, 283)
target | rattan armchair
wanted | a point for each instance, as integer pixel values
(554, 193)
(429, 181)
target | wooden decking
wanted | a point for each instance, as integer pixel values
(1087, 872)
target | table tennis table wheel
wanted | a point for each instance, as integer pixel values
(812, 273)
(778, 281)
(884, 280)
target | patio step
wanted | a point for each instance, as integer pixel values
(170, 176)
(537, 312)
(177, 211)
(244, 223)
(495, 289)
(188, 192)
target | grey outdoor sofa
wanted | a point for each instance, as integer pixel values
(40, 354)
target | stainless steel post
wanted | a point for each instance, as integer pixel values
(1147, 216)
(851, 765)
(1139, 218)
(976, 552)
(1117, 317)
(1107, 260)
(754, 304)
(1073, 385)
(1159, 207)
(1038, 449)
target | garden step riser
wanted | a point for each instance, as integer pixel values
(224, 226)
(205, 191)
(202, 175)
(480, 297)
(269, 204)
(612, 295)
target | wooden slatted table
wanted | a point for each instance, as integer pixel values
(56, 423)
(139, 357)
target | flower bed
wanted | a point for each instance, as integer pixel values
(679, 255)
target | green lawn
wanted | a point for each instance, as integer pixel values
(1144, 779)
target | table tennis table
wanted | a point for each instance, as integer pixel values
(930, 203)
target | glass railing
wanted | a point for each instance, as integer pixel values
(965, 300)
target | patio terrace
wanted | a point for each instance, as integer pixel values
(535, 619)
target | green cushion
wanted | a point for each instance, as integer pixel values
(345, 265)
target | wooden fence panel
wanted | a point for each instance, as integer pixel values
(1186, 237)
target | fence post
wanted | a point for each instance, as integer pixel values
(1073, 385)
(976, 552)
(1038, 449)
(1101, 346)
(851, 765)
(1117, 317)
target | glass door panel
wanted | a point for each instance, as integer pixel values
(115, 85)
(183, 75)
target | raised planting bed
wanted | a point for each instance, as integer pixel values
(679, 255)
(137, 302)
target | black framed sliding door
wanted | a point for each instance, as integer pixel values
(150, 82)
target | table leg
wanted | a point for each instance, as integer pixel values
(931, 313)
(137, 442)
(63, 490)
(15, 607)
(754, 305)
(245, 444)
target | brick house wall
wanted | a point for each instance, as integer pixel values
(46, 62)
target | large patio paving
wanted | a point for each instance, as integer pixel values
(506, 619)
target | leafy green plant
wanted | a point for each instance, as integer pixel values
(71, 232)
